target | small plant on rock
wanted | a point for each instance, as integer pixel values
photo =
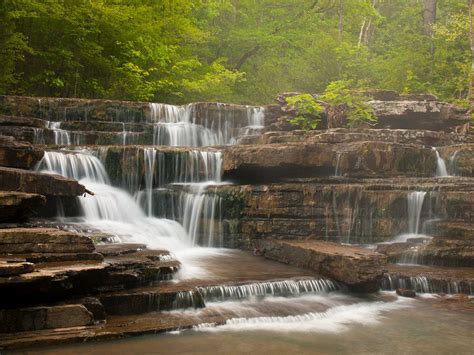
(309, 111)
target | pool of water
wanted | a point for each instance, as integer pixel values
(314, 324)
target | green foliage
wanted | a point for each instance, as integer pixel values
(356, 109)
(243, 51)
(309, 111)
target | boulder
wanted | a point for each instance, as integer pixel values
(43, 317)
(405, 292)
(16, 154)
(360, 269)
(34, 182)
(18, 206)
(42, 240)
(274, 162)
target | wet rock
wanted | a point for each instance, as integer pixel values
(117, 249)
(15, 268)
(274, 162)
(16, 154)
(42, 240)
(360, 269)
(22, 121)
(429, 279)
(62, 257)
(346, 135)
(33, 182)
(18, 206)
(37, 318)
(150, 300)
(404, 292)
(459, 159)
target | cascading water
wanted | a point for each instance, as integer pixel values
(61, 136)
(178, 126)
(441, 170)
(415, 205)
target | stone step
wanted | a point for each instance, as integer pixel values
(360, 269)
(18, 206)
(43, 240)
(439, 251)
(33, 182)
(38, 318)
(452, 229)
(428, 279)
(59, 281)
(274, 162)
(15, 154)
(22, 121)
(8, 269)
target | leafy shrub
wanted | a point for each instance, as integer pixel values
(309, 111)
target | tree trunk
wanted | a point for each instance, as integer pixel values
(429, 16)
(340, 12)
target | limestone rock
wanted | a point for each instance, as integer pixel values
(15, 154)
(15, 268)
(22, 121)
(17, 206)
(273, 162)
(33, 182)
(360, 269)
(37, 318)
(405, 292)
(42, 240)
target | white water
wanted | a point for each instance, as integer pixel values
(415, 200)
(61, 136)
(178, 126)
(337, 318)
(441, 170)
(115, 212)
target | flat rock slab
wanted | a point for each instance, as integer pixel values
(116, 249)
(16, 154)
(18, 206)
(43, 240)
(37, 318)
(34, 182)
(274, 162)
(360, 269)
(8, 269)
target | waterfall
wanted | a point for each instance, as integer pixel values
(178, 125)
(415, 205)
(61, 136)
(337, 172)
(76, 165)
(441, 170)
(268, 288)
(149, 159)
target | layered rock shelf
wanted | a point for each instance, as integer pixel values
(360, 209)
(360, 269)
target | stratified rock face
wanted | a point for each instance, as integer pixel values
(15, 154)
(365, 159)
(42, 240)
(346, 135)
(418, 114)
(8, 269)
(460, 158)
(419, 111)
(37, 318)
(361, 211)
(18, 206)
(34, 182)
(360, 269)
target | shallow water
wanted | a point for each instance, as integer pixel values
(401, 326)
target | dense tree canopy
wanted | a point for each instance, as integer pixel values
(231, 50)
